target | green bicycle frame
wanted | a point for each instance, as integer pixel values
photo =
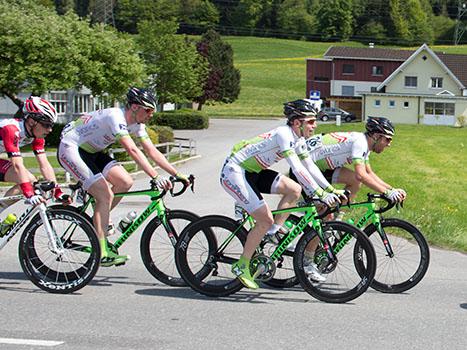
(310, 216)
(156, 205)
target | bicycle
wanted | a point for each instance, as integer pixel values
(207, 248)
(160, 234)
(401, 263)
(47, 256)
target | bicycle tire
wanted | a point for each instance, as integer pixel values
(79, 262)
(157, 251)
(198, 260)
(344, 281)
(411, 258)
(284, 276)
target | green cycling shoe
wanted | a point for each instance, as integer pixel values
(112, 259)
(241, 269)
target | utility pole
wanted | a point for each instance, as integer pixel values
(460, 26)
(104, 12)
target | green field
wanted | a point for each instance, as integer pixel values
(273, 71)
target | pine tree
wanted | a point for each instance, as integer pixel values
(223, 82)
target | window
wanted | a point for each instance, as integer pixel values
(59, 101)
(374, 89)
(392, 103)
(83, 104)
(377, 103)
(377, 70)
(321, 78)
(437, 83)
(348, 90)
(406, 104)
(348, 69)
(439, 108)
(411, 82)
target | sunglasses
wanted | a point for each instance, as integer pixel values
(148, 110)
(46, 125)
(309, 121)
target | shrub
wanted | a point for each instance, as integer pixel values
(182, 119)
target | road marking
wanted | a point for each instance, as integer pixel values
(30, 342)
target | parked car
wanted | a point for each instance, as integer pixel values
(330, 113)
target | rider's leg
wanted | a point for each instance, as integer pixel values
(120, 180)
(290, 191)
(103, 197)
(263, 221)
(350, 179)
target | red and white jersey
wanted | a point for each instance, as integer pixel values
(13, 137)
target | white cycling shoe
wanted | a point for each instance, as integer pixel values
(313, 273)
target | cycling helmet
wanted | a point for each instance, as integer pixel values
(380, 125)
(40, 110)
(299, 109)
(142, 97)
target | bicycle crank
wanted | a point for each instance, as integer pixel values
(263, 267)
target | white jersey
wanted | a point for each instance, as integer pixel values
(263, 151)
(95, 131)
(334, 150)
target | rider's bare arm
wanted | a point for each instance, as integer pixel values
(20, 170)
(138, 156)
(152, 152)
(45, 167)
(369, 178)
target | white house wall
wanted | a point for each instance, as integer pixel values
(359, 86)
(424, 70)
(397, 114)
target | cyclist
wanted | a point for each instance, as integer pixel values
(331, 152)
(246, 174)
(38, 118)
(82, 154)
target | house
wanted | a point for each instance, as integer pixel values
(367, 82)
(428, 88)
(346, 72)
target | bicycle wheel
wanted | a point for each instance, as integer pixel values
(406, 268)
(344, 282)
(204, 257)
(68, 270)
(284, 276)
(157, 250)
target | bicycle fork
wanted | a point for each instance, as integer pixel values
(56, 246)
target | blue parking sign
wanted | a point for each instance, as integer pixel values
(314, 95)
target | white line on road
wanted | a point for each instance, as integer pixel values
(30, 342)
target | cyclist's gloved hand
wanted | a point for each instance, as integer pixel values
(162, 182)
(330, 198)
(395, 195)
(61, 197)
(342, 194)
(183, 177)
(35, 200)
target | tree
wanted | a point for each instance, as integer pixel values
(293, 17)
(176, 70)
(335, 19)
(42, 51)
(63, 6)
(128, 13)
(198, 13)
(223, 81)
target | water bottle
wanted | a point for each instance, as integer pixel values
(6, 224)
(127, 220)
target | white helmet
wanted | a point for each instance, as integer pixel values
(40, 110)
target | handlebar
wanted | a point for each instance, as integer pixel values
(390, 204)
(175, 180)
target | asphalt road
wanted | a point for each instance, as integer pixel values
(126, 308)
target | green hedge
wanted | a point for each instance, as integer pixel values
(182, 119)
(53, 139)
